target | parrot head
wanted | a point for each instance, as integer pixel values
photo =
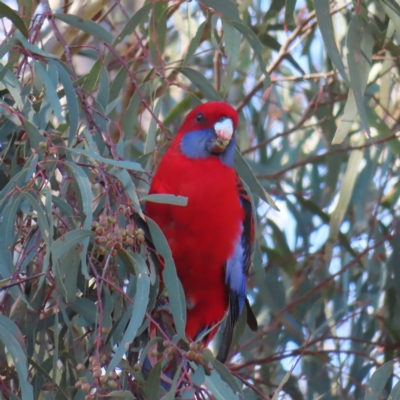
(209, 131)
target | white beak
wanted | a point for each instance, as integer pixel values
(224, 129)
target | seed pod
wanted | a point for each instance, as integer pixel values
(80, 367)
(86, 387)
(198, 358)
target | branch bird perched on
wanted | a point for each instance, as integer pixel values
(211, 238)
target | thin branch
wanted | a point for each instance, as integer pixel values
(316, 157)
(283, 53)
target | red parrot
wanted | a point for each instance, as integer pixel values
(211, 238)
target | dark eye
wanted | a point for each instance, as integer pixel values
(199, 117)
(222, 119)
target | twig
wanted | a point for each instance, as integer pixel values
(283, 53)
(311, 159)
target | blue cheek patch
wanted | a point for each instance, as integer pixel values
(196, 144)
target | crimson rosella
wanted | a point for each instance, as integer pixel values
(211, 238)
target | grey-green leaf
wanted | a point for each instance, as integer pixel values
(8, 12)
(50, 90)
(322, 10)
(12, 338)
(133, 23)
(120, 163)
(227, 8)
(72, 101)
(256, 45)
(356, 58)
(121, 394)
(247, 175)
(171, 280)
(166, 199)
(201, 82)
(153, 382)
(67, 241)
(194, 43)
(378, 380)
(87, 26)
(139, 307)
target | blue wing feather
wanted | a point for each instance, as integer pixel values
(237, 268)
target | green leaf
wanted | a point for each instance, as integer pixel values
(347, 120)
(158, 33)
(153, 382)
(121, 394)
(274, 9)
(289, 11)
(14, 341)
(151, 133)
(91, 80)
(357, 57)
(67, 241)
(395, 393)
(345, 193)
(7, 235)
(31, 47)
(166, 199)
(4, 69)
(227, 8)
(117, 85)
(279, 388)
(392, 9)
(232, 38)
(6, 47)
(256, 45)
(8, 12)
(35, 136)
(139, 307)
(170, 277)
(86, 308)
(121, 163)
(247, 175)
(322, 10)
(19, 179)
(44, 229)
(104, 87)
(378, 380)
(131, 120)
(199, 375)
(201, 82)
(129, 187)
(72, 101)
(171, 395)
(64, 207)
(194, 43)
(85, 189)
(227, 377)
(219, 388)
(15, 89)
(87, 26)
(140, 16)
(271, 42)
(383, 129)
(178, 110)
(50, 90)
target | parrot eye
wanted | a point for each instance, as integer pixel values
(222, 119)
(199, 117)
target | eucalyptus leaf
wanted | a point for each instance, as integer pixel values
(89, 27)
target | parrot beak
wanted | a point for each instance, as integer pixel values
(224, 131)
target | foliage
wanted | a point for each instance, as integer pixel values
(91, 94)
